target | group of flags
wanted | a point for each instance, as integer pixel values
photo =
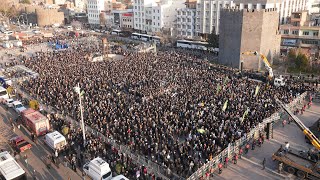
(225, 105)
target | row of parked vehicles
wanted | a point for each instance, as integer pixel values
(39, 125)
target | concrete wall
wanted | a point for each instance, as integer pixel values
(248, 30)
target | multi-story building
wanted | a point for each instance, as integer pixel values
(119, 20)
(126, 20)
(155, 15)
(80, 5)
(94, 8)
(186, 21)
(302, 32)
(208, 11)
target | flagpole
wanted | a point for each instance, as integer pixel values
(82, 121)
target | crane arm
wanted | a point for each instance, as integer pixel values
(313, 139)
(264, 59)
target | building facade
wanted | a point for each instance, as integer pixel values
(155, 15)
(301, 32)
(94, 8)
(126, 20)
(208, 11)
(248, 30)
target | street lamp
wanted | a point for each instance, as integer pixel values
(80, 93)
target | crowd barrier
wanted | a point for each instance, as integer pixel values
(155, 168)
(212, 165)
(152, 167)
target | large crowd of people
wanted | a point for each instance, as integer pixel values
(170, 107)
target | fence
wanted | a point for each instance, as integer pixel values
(233, 147)
(155, 168)
(158, 170)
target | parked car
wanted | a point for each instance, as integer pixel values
(19, 144)
(9, 103)
(18, 106)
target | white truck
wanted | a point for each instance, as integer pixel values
(98, 169)
(55, 140)
(9, 168)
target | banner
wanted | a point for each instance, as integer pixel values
(245, 114)
(257, 90)
(225, 106)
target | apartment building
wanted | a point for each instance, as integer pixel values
(186, 20)
(302, 32)
(155, 15)
(208, 11)
(94, 8)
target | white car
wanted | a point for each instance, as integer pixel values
(18, 106)
(35, 31)
(9, 103)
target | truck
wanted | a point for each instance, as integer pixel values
(9, 168)
(297, 162)
(35, 121)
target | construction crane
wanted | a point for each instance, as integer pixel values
(313, 139)
(264, 59)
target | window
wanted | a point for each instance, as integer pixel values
(315, 33)
(310, 42)
(183, 13)
(189, 13)
(158, 18)
(158, 24)
(286, 31)
(295, 32)
(154, 17)
(158, 11)
(305, 33)
(179, 13)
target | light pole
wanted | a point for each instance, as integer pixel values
(78, 90)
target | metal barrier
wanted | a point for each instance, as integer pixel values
(228, 152)
(151, 166)
(156, 168)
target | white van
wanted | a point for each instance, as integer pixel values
(120, 177)
(98, 169)
(3, 94)
(9, 168)
(55, 140)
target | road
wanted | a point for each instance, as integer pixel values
(250, 167)
(36, 154)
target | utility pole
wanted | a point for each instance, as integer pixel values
(78, 90)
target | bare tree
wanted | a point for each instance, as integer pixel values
(7, 10)
(103, 19)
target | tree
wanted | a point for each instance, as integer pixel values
(7, 10)
(213, 40)
(298, 61)
(103, 19)
(25, 2)
(302, 62)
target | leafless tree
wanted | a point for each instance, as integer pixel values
(103, 19)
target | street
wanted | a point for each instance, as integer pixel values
(36, 155)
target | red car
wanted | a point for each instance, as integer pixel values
(19, 144)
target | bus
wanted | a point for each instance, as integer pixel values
(192, 44)
(116, 32)
(9, 168)
(3, 94)
(136, 36)
(146, 37)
